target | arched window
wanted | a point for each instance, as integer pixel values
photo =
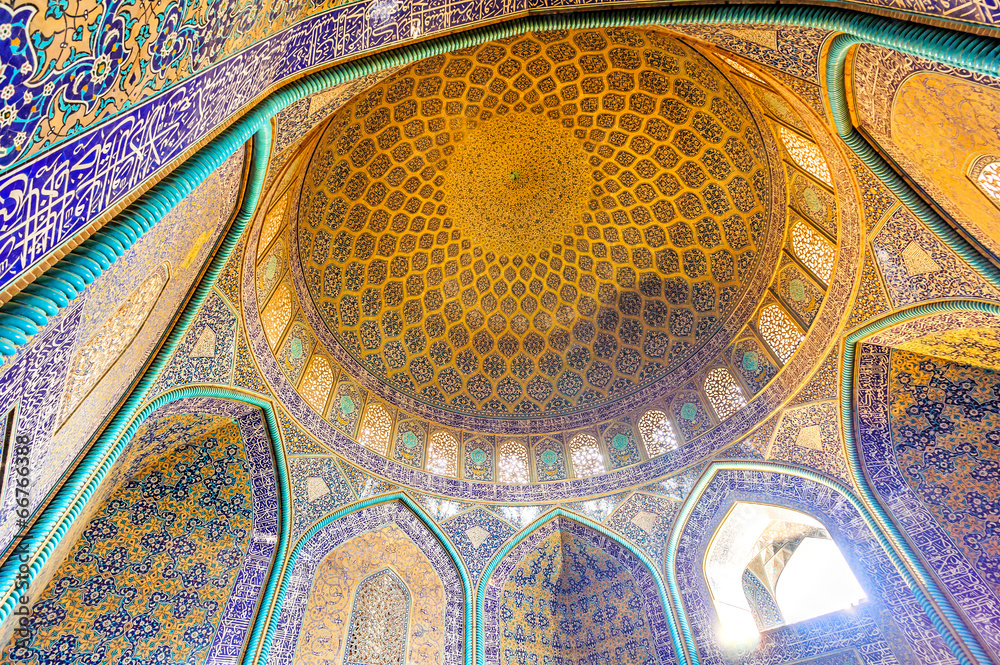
(512, 462)
(317, 382)
(769, 566)
(656, 432)
(379, 621)
(723, 392)
(985, 173)
(779, 331)
(376, 426)
(442, 454)
(586, 456)
(277, 313)
(813, 250)
(806, 155)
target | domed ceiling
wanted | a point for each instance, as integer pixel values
(548, 229)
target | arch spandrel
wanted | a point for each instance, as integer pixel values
(518, 581)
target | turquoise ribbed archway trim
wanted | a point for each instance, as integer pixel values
(836, 86)
(42, 299)
(44, 535)
(416, 509)
(848, 373)
(807, 474)
(537, 524)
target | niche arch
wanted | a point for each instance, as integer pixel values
(233, 626)
(665, 638)
(892, 612)
(868, 378)
(341, 527)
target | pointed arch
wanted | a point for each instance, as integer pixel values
(285, 622)
(637, 563)
(866, 422)
(725, 483)
(268, 538)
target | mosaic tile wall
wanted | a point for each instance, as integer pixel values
(154, 573)
(326, 625)
(559, 565)
(382, 535)
(927, 431)
(889, 627)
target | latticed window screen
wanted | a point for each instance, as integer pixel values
(586, 456)
(656, 432)
(442, 454)
(276, 314)
(723, 392)
(806, 155)
(379, 622)
(813, 250)
(779, 331)
(317, 382)
(376, 427)
(512, 462)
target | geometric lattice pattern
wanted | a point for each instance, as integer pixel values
(430, 264)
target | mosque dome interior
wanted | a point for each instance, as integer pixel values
(379, 332)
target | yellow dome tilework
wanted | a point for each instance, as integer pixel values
(535, 227)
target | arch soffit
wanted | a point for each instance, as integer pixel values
(271, 508)
(865, 400)
(353, 520)
(549, 523)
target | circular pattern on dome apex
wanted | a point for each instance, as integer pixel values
(537, 227)
(513, 186)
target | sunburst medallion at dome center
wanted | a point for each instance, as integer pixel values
(517, 183)
(534, 228)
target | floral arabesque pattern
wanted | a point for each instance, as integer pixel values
(946, 431)
(151, 573)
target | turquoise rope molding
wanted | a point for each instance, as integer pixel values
(847, 374)
(52, 291)
(600, 528)
(836, 87)
(770, 467)
(417, 510)
(68, 503)
(46, 295)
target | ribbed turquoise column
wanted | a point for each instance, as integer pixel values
(41, 300)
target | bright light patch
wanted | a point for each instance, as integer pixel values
(816, 581)
(737, 627)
